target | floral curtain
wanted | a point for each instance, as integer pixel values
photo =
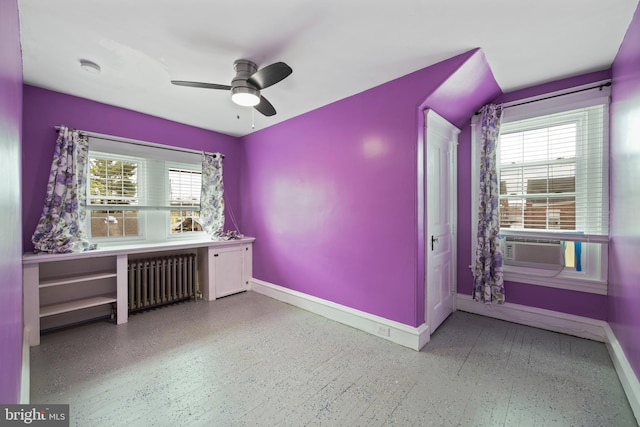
(211, 195)
(488, 285)
(61, 225)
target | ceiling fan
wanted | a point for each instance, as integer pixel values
(249, 81)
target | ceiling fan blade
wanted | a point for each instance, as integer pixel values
(265, 107)
(200, 85)
(270, 75)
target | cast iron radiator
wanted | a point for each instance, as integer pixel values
(161, 280)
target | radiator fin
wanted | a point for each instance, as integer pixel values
(161, 280)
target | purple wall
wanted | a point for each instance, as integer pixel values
(332, 196)
(10, 248)
(624, 248)
(44, 109)
(566, 301)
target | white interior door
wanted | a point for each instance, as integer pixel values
(441, 139)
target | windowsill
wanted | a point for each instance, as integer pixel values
(133, 247)
(128, 241)
(570, 283)
(145, 244)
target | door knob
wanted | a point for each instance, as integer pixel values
(433, 241)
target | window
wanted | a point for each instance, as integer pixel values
(113, 196)
(184, 198)
(553, 169)
(142, 192)
(552, 173)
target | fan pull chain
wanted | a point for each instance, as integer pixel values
(253, 125)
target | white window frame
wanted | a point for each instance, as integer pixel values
(141, 176)
(593, 278)
(185, 234)
(156, 160)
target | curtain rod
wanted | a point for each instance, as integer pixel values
(140, 143)
(600, 86)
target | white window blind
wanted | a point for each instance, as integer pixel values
(553, 175)
(113, 196)
(153, 165)
(114, 181)
(184, 187)
(184, 197)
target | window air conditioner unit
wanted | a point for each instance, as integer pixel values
(535, 253)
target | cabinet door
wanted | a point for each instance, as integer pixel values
(228, 274)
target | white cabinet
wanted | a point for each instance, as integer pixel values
(228, 270)
(62, 289)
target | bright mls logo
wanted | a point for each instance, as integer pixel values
(37, 415)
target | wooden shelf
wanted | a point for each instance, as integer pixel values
(58, 281)
(50, 310)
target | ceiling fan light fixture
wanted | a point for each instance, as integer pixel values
(245, 96)
(246, 85)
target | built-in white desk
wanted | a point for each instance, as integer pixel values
(57, 287)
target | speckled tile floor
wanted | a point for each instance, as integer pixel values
(250, 360)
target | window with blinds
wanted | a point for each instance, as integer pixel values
(553, 181)
(142, 192)
(184, 198)
(553, 174)
(114, 196)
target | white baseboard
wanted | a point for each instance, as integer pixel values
(628, 379)
(569, 324)
(25, 377)
(399, 333)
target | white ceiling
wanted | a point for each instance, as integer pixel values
(336, 48)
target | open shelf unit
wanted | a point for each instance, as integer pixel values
(72, 290)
